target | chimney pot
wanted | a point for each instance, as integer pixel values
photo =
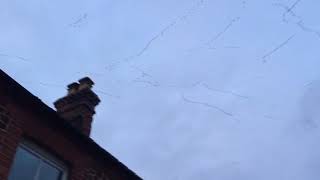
(73, 88)
(85, 83)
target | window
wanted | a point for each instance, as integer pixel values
(31, 163)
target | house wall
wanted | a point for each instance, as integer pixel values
(25, 124)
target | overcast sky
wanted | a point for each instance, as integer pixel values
(190, 89)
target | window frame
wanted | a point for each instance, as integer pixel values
(44, 157)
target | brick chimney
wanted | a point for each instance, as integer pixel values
(77, 107)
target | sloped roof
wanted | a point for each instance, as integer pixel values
(22, 96)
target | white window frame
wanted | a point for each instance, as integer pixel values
(44, 157)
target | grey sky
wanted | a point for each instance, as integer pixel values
(190, 89)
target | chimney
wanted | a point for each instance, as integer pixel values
(77, 107)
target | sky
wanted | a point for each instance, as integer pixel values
(190, 89)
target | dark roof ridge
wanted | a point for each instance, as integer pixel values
(17, 90)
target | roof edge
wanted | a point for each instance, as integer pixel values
(15, 90)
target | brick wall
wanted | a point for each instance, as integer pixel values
(22, 123)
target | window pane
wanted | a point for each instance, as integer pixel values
(25, 165)
(48, 172)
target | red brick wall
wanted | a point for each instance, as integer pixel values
(25, 124)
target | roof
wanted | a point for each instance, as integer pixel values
(27, 99)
